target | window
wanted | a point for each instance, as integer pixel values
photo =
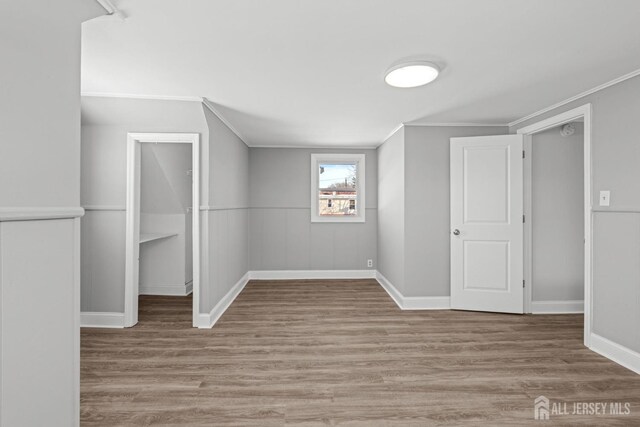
(337, 187)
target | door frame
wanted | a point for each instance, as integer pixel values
(582, 112)
(132, 214)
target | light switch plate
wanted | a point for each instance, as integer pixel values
(605, 198)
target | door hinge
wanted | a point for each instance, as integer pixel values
(523, 219)
(523, 155)
(523, 283)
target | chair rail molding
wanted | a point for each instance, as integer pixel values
(37, 213)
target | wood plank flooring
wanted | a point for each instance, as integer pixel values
(341, 353)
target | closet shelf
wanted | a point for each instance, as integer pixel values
(149, 237)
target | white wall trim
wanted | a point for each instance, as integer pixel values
(92, 319)
(393, 292)
(168, 290)
(111, 9)
(616, 352)
(360, 161)
(132, 218)
(393, 132)
(454, 124)
(140, 96)
(576, 97)
(40, 213)
(317, 147)
(105, 208)
(584, 111)
(219, 115)
(311, 274)
(413, 303)
(208, 320)
(557, 307)
(77, 285)
(224, 208)
(426, 303)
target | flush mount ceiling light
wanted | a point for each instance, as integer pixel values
(412, 74)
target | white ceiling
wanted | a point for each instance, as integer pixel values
(311, 72)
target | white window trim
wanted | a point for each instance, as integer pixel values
(359, 159)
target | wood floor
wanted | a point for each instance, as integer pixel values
(342, 353)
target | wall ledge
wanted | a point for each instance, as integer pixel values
(40, 213)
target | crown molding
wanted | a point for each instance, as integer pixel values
(219, 115)
(320, 147)
(138, 96)
(111, 9)
(462, 124)
(393, 132)
(576, 97)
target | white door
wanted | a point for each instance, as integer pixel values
(487, 223)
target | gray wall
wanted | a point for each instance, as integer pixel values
(616, 234)
(39, 152)
(40, 112)
(224, 195)
(557, 216)
(391, 209)
(281, 235)
(427, 206)
(225, 252)
(105, 124)
(414, 207)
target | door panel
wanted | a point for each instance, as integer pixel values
(486, 223)
(486, 265)
(486, 173)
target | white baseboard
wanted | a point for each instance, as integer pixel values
(208, 320)
(395, 294)
(413, 303)
(616, 352)
(101, 320)
(311, 274)
(168, 290)
(557, 307)
(427, 303)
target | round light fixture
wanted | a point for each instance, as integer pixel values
(412, 74)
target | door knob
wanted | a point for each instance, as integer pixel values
(456, 232)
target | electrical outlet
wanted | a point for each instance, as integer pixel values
(369, 263)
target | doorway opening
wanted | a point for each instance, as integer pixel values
(557, 207)
(162, 219)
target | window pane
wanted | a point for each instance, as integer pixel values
(338, 189)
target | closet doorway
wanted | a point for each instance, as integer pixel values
(162, 220)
